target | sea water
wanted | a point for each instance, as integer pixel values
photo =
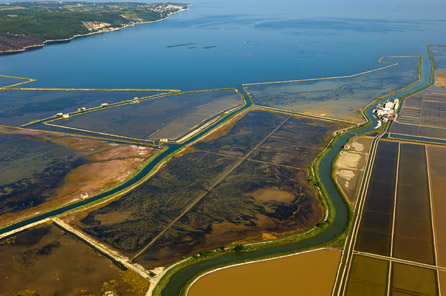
(238, 41)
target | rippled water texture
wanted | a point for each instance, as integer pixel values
(255, 41)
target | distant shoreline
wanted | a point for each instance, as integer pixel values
(37, 46)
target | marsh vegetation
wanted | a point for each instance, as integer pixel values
(42, 170)
(241, 186)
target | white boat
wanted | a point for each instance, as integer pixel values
(378, 124)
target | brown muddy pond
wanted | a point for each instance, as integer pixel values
(442, 282)
(376, 223)
(423, 115)
(413, 230)
(437, 173)
(368, 277)
(311, 273)
(413, 280)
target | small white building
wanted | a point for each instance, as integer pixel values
(389, 105)
(397, 104)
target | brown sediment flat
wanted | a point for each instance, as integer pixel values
(50, 261)
(105, 164)
(126, 151)
(273, 194)
(368, 277)
(94, 177)
(310, 273)
(90, 178)
(413, 280)
(437, 172)
(81, 144)
(350, 167)
(440, 78)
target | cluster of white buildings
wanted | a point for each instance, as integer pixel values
(386, 111)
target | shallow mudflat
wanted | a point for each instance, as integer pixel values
(311, 273)
(49, 261)
(240, 137)
(297, 142)
(265, 197)
(235, 185)
(22, 106)
(40, 169)
(132, 221)
(439, 56)
(168, 117)
(255, 202)
(337, 97)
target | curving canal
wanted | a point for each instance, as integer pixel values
(181, 277)
(172, 148)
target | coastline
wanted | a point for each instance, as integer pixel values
(107, 30)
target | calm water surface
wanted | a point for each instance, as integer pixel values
(254, 41)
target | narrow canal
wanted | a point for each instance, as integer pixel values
(181, 277)
(172, 148)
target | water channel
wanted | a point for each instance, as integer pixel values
(180, 278)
